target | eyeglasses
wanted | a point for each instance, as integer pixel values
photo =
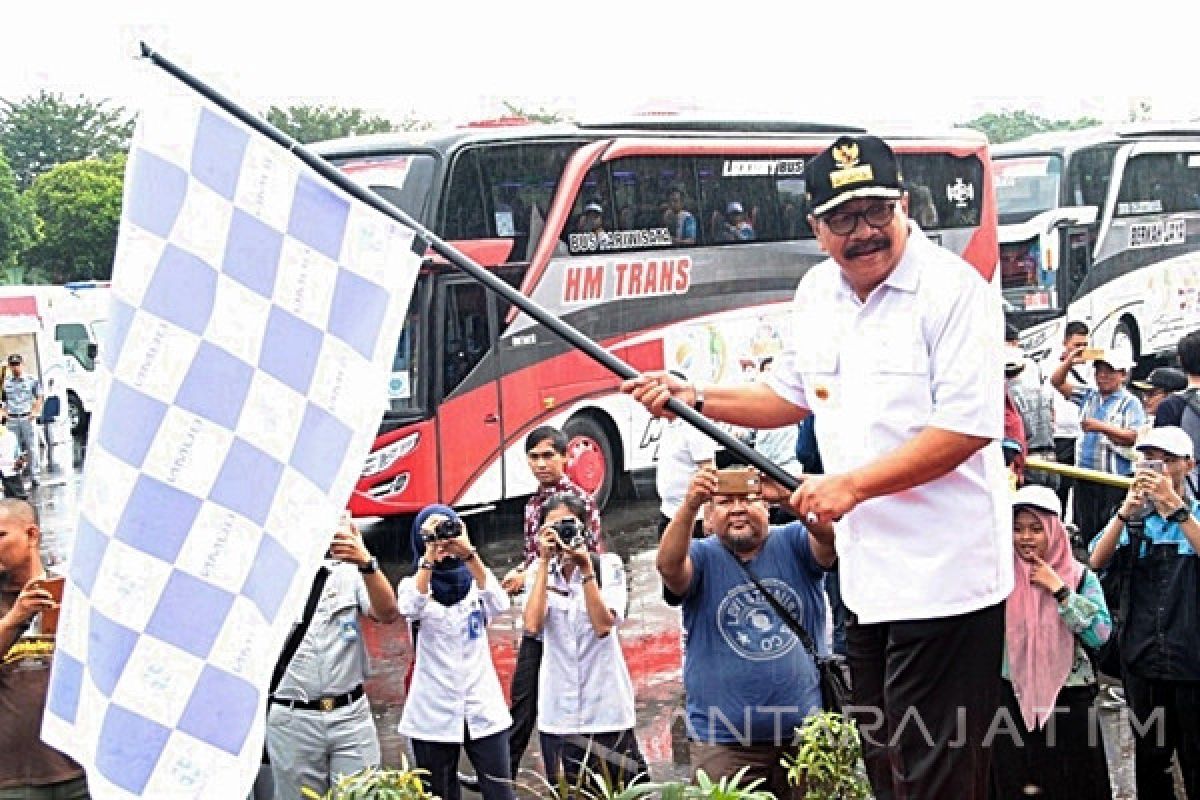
(875, 215)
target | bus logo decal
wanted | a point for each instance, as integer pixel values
(616, 279)
(1157, 233)
(960, 193)
(786, 167)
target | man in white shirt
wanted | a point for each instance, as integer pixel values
(905, 377)
(681, 451)
(10, 460)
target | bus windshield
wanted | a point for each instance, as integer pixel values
(403, 179)
(1027, 185)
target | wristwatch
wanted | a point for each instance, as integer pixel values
(1062, 593)
(425, 564)
(370, 568)
(698, 391)
(1179, 515)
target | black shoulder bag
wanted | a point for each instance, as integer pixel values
(297, 636)
(832, 670)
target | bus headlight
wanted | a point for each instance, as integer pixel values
(384, 457)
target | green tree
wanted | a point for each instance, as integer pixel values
(542, 115)
(18, 224)
(1006, 126)
(79, 205)
(316, 123)
(44, 130)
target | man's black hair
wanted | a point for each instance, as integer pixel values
(558, 439)
(565, 500)
(1075, 328)
(1189, 353)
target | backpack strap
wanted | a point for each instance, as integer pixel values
(293, 642)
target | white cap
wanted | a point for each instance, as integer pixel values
(1040, 497)
(1118, 358)
(1170, 439)
(599, 209)
(734, 207)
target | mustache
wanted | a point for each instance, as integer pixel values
(864, 246)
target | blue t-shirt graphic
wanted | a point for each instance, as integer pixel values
(747, 676)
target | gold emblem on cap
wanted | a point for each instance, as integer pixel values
(846, 155)
(849, 170)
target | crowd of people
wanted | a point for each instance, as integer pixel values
(973, 626)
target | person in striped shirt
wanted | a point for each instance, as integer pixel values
(1110, 416)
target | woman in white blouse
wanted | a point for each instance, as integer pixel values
(585, 696)
(455, 701)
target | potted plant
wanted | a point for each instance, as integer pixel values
(377, 783)
(828, 759)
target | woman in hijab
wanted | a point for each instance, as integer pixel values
(455, 701)
(1051, 745)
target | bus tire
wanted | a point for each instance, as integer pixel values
(78, 417)
(591, 459)
(1125, 336)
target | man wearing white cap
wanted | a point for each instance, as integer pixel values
(906, 383)
(1153, 541)
(1110, 416)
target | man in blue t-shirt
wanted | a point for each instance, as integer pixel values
(747, 677)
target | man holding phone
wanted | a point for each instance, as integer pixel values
(29, 598)
(319, 723)
(1152, 542)
(747, 679)
(1109, 416)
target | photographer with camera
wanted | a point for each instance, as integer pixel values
(574, 600)
(319, 723)
(743, 662)
(546, 453)
(455, 701)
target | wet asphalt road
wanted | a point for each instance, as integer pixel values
(650, 636)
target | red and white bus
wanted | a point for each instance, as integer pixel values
(674, 243)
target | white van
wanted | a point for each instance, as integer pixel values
(73, 316)
(1103, 226)
(22, 332)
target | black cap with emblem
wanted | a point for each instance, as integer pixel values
(853, 166)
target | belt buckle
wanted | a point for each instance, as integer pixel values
(327, 703)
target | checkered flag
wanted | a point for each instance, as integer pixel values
(255, 314)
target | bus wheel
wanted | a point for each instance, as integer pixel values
(76, 414)
(590, 461)
(1124, 339)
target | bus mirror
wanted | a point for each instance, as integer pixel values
(92, 349)
(1074, 215)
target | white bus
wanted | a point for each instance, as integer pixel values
(1102, 225)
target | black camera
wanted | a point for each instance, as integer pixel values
(445, 529)
(570, 533)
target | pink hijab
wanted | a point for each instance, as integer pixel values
(1041, 649)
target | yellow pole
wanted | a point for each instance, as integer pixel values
(1079, 473)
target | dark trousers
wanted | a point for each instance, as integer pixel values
(1175, 728)
(1064, 453)
(761, 761)
(1094, 506)
(614, 756)
(488, 755)
(524, 694)
(926, 692)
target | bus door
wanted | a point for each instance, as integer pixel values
(468, 418)
(1075, 245)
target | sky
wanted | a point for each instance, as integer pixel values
(925, 63)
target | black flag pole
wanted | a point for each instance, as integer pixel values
(425, 238)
